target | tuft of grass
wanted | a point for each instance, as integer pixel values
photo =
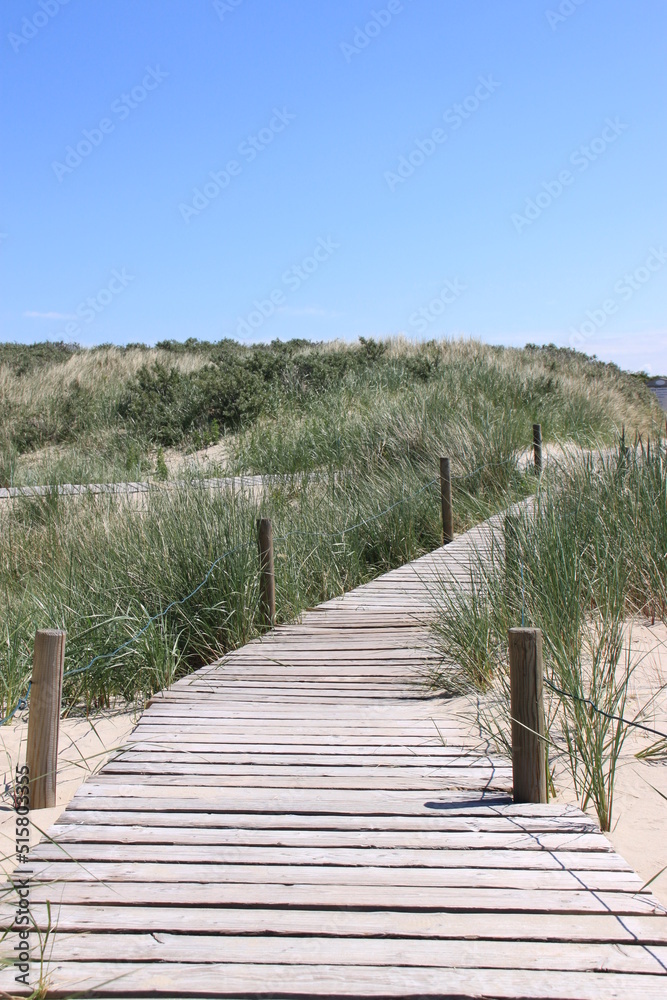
(161, 470)
(585, 556)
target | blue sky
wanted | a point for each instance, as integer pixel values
(336, 168)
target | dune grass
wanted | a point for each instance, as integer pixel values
(586, 556)
(100, 569)
(100, 415)
(370, 419)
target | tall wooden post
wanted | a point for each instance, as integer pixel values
(446, 501)
(537, 446)
(44, 717)
(267, 580)
(529, 762)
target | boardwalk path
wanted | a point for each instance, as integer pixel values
(302, 819)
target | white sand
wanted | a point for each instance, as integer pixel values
(180, 463)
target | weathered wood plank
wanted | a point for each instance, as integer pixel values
(324, 896)
(112, 795)
(338, 875)
(457, 925)
(467, 840)
(573, 861)
(489, 954)
(232, 980)
(459, 821)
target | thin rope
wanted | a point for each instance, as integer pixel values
(601, 711)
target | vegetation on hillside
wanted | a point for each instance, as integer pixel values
(366, 422)
(100, 414)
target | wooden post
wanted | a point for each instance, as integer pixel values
(446, 501)
(529, 764)
(44, 718)
(537, 447)
(267, 580)
(623, 450)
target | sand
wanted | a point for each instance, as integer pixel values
(639, 816)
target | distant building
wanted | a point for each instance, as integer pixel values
(659, 387)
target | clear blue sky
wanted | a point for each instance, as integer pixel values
(432, 167)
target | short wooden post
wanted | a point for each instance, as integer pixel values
(623, 449)
(537, 446)
(529, 764)
(446, 501)
(267, 580)
(44, 718)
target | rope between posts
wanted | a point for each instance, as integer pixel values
(601, 711)
(20, 705)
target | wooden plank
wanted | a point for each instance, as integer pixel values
(418, 756)
(259, 980)
(363, 857)
(417, 898)
(434, 821)
(484, 925)
(494, 780)
(337, 875)
(378, 775)
(319, 950)
(112, 795)
(129, 833)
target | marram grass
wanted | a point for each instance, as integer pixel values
(588, 555)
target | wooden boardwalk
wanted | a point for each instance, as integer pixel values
(304, 820)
